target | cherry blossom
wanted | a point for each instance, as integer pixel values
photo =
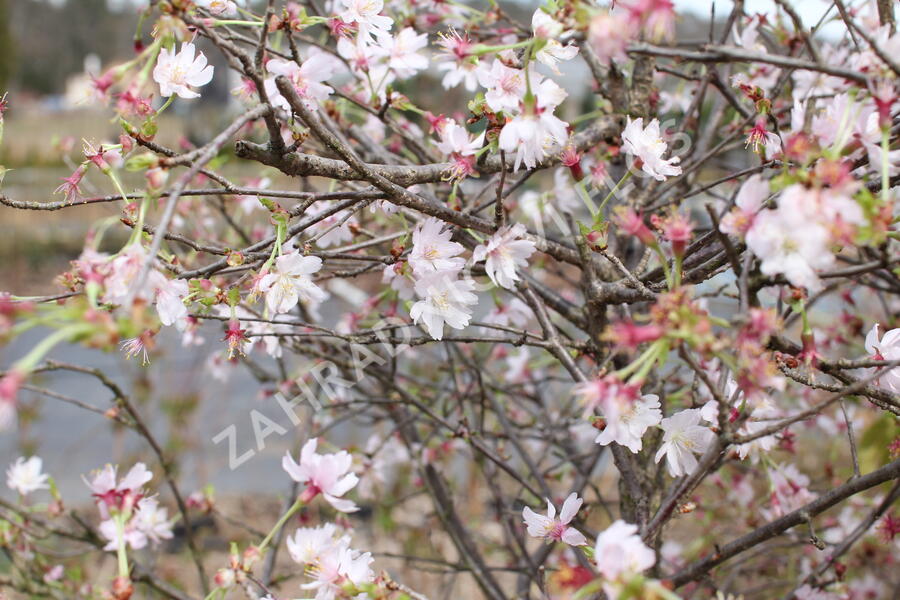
(366, 14)
(790, 240)
(556, 528)
(683, 437)
(381, 470)
(505, 86)
(789, 490)
(609, 35)
(620, 553)
(403, 51)
(455, 139)
(130, 535)
(460, 146)
(338, 566)
(603, 391)
(70, 186)
(461, 65)
(596, 287)
(170, 301)
(503, 253)
(627, 420)
(885, 348)
(218, 8)
(546, 28)
(444, 299)
(553, 52)
(326, 474)
(177, 73)
(529, 135)
(307, 79)
(646, 144)
(148, 523)
(291, 282)
(397, 275)
(152, 519)
(748, 203)
(117, 494)
(432, 249)
(515, 313)
(25, 476)
(124, 270)
(309, 544)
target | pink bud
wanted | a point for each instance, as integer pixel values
(10, 384)
(156, 178)
(224, 578)
(127, 143)
(631, 223)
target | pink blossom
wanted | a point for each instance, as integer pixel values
(556, 528)
(457, 60)
(339, 566)
(609, 35)
(503, 253)
(366, 15)
(397, 275)
(627, 420)
(121, 495)
(646, 144)
(529, 135)
(326, 474)
(70, 186)
(600, 391)
(657, 17)
(124, 270)
(307, 79)
(403, 51)
(514, 313)
(789, 490)
(9, 390)
(309, 545)
(291, 282)
(170, 301)
(432, 249)
(748, 203)
(792, 240)
(506, 86)
(886, 348)
(759, 135)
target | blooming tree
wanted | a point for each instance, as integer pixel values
(663, 302)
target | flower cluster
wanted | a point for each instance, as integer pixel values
(130, 517)
(336, 570)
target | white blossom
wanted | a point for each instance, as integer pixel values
(177, 73)
(683, 437)
(646, 144)
(25, 476)
(444, 299)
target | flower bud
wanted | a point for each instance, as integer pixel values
(156, 178)
(224, 578)
(122, 588)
